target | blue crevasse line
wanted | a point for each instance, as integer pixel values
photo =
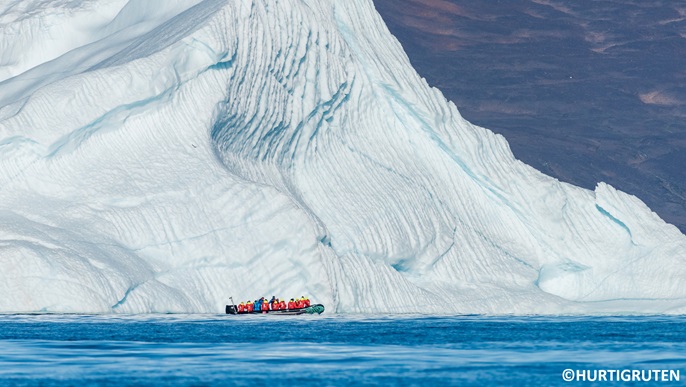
(617, 221)
(224, 63)
(304, 57)
(325, 240)
(481, 181)
(123, 299)
(400, 267)
(73, 140)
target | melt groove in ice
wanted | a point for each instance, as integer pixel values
(163, 158)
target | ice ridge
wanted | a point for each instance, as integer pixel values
(162, 159)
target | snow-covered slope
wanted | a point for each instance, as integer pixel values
(163, 158)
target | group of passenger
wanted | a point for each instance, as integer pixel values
(262, 305)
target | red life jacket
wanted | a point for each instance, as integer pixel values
(291, 305)
(275, 305)
(299, 304)
(282, 305)
(250, 308)
(307, 303)
(240, 308)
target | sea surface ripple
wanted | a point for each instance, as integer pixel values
(74, 350)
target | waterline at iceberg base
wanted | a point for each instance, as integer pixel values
(163, 159)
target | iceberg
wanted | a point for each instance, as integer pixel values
(163, 159)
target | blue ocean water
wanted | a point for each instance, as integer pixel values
(270, 350)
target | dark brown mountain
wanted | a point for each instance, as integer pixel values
(584, 91)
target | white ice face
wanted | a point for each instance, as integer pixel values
(164, 158)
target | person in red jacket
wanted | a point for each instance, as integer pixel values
(241, 308)
(306, 302)
(299, 304)
(291, 304)
(249, 307)
(282, 305)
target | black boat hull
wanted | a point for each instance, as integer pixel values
(312, 309)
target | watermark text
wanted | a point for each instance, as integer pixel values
(626, 375)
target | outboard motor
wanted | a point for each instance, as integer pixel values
(231, 309)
